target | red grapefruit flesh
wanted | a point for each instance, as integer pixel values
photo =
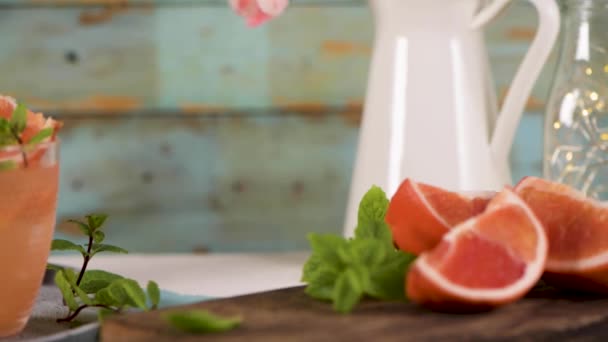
(490, 260)
(577, 230)
(420, 214)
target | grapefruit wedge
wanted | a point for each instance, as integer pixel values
(490, 260)
(577, 230)
(420, 214)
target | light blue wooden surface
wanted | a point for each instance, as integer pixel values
(198, 134)
(202, 183)
(206, 186)
(203, 58)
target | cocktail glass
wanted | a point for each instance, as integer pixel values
(29, 178)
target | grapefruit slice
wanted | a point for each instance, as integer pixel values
(420, 214)
(487, 261)
(577, 230)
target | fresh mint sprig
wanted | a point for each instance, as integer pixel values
(110, 292)
(343, 271)
(92, 230)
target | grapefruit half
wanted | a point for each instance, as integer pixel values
(420, 214)
(490, 260)
(577, 230)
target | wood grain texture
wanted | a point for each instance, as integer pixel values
(130, 56)
(196, 133)
(289, 315)
(211, 183)
(54, 63)
(207, 3)
(220, 183)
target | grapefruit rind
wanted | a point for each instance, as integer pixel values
(428, 206)
(418, 224)
(533, 272)
(571, 266)
(587, 264)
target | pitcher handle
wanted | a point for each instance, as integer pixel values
(529, 70)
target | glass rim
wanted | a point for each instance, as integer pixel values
(38, 146)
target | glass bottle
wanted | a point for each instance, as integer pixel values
(576, 121)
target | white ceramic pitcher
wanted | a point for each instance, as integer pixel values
(430, 111)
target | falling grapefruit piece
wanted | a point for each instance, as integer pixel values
(420, 214)
(577, 230)
(490, 260)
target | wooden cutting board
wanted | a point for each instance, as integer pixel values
(290, 315)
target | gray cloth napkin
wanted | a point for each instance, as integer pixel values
(42, 326)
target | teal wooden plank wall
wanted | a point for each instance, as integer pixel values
(197, 134)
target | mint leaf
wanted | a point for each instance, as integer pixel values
(70, 276)
(8, 165)
(372, 210)
(54, 267)
(118, 293)
(134, 292)
(347, 291)
(7, 140)
(7, 137)
(387, 281)
(201, 321)
(326, 247)
(153, 293)
(122, 292)
(41, 135)
(95, 280)
(5, 125)
(66, 290)
(84, 228)
(65, 245)
(329, 254)
(98, 248)
(18, 120)
(368, 252)
(96, 220)
(363, 276)
(98, 236)
(345, 253)
(83, 296)
(103, 313)
(311, 266)
(321, 283)
(103, 296)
